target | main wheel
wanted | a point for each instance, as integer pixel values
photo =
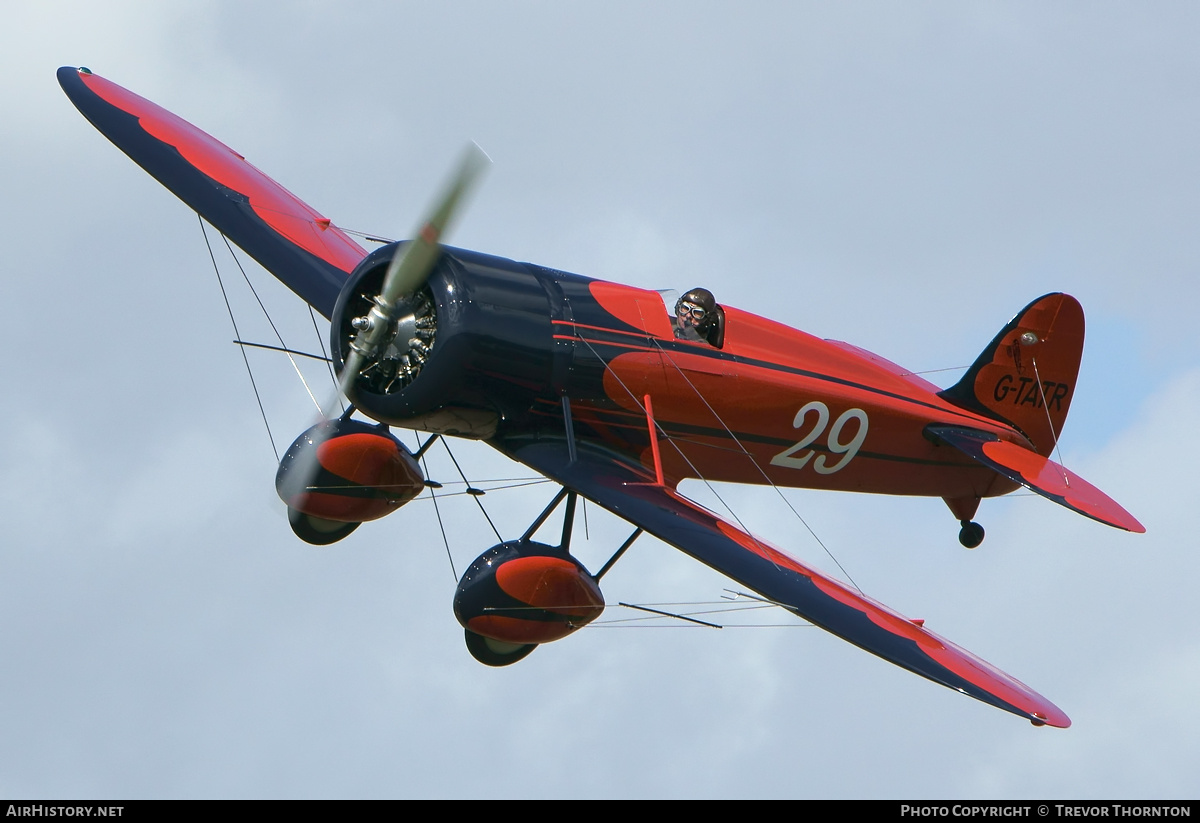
(316, 530)
(491, 652)
(971, 534)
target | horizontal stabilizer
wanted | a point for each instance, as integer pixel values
(1037, 474)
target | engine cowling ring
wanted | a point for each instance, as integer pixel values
(418, 379)
(485, 333)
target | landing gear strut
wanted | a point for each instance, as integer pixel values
(523, 593)
(964, 508)
(971, 534)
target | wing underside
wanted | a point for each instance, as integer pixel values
(630, 492)
(286, 236)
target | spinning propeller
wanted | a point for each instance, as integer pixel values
(301, 473)
(409, 270)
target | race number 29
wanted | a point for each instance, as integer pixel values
(790, 457)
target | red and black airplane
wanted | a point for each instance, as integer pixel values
(601, 388)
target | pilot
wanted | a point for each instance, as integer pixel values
(699, 318)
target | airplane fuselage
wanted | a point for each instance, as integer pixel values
(773, 404)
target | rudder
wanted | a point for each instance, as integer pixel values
(1026, 375)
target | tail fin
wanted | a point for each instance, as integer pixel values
(1026, 375)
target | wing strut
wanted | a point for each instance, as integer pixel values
(569, 425)
(568, 518)
(624, 547)
(658, 472)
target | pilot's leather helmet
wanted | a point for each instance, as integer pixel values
(701, 299)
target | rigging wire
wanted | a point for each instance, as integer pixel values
(281, 349)
(473, 491)
(373, 238)
(267, 315)
(933, 371)
(437, 510)
(328, 360)
(674, 615)
(625, 623)
(756, 464)
(1053, 434)
(478, 502)
(238, 334)
(656, 618)
(420, 455)
(766, 549)
(516, 481)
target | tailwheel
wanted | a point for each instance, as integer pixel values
(491, 652)
(317, 530)
(971, 533)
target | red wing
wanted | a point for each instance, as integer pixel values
(1038, 474)
(629, 491)
(290, 239)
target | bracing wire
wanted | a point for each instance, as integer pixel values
(437, 510)
(478, 502)
(472, 490)
(655, 617)
(281, 349)
(267, 315)
(932, 371)
(328, 360)
(476, 491)
(1049, 422)
(242, 349)
(756, 464)
(373, 238)
(670, 615)
(692, 466)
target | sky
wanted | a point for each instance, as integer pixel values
(902, 176)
